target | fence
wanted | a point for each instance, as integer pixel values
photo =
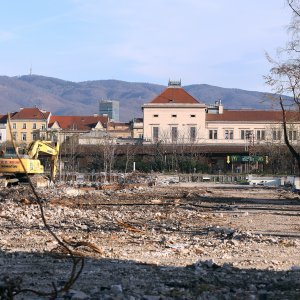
(88, 177)
(212, 178)
(117, 178)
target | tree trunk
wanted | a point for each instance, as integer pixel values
(293, 151)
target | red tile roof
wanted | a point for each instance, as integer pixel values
(30, 113)
(252, 116)
(3, 118)
(78, 122)
(175, 95)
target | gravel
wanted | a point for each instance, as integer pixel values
(159, 242)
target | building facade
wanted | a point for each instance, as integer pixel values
(119, 129)
(251, 127)
(3, 126)
(175, 117)
(137, 128)
(27, 125)
(61, 128)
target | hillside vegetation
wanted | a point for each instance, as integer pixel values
(63, 97)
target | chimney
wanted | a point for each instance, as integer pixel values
(221, 107)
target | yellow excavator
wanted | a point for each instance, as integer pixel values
(12, 168)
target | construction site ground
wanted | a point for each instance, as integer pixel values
(177, 241)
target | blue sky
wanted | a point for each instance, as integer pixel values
(217, 42)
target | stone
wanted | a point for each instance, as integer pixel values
(116, 288)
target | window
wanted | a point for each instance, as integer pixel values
(24, 126)
(192, 134)
(174, 134)
(34, 126)
(0, 136)
(228, 134)
(14, 136)
(43, 126)
(276, 134)
(155, 133)
(213, 134)
(23, 136)
(155, 116)
(260, 135)
(14, 125)
(193, 116)
(174, 116)
(246, 134)
(293, 135)
(34, 136)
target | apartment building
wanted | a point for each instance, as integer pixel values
(28, 124)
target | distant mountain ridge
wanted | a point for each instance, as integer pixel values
(63, 97)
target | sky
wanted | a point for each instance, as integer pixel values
(216, 42)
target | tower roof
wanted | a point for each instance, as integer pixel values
(175, 94)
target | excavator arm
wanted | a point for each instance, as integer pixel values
(46, 147)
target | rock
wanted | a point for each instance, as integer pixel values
(150, 297)
(233, 242)
(156, 201)
(84, 227)
(295, 268)
(77, 295)
(116, 288)
(252, 288)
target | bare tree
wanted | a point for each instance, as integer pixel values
(108, 147)
(130, 152)
(284, 78)
(176, 150)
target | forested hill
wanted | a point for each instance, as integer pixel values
(63, 97)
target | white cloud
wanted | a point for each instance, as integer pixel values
(200, 38)
(196, 40)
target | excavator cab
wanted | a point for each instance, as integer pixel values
(27, 161)
(11, 152)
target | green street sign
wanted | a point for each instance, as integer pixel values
(240, 158)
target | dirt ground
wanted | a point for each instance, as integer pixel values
(163, 242)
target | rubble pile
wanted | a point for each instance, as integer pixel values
(154, 242)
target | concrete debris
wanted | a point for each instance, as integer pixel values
(40, 181)
(160, 241)
(75, 295)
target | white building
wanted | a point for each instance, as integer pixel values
(174, 116)
(3, 128)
